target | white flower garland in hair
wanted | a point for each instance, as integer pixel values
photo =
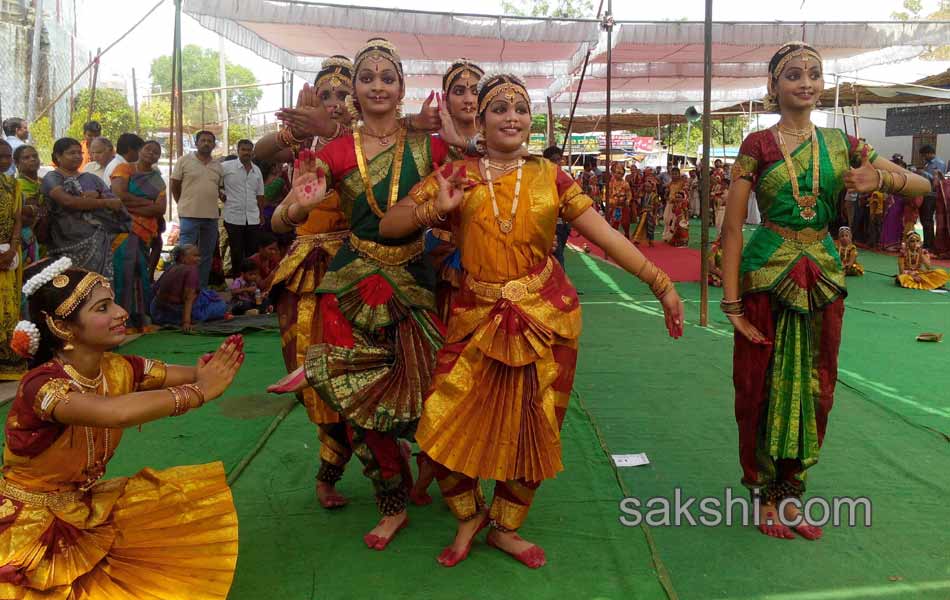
(58, 267)
(32, 333)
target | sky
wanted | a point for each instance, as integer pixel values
(102, 21)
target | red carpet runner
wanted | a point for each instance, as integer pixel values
(681, 264)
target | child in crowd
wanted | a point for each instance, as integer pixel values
(246, 295)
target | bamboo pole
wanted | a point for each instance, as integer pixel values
(608, 25)
(95, 80)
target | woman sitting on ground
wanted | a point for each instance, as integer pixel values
(179, 299)
(158, 534)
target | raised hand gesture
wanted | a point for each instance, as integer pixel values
(428, 118)
(451, 186)
(865, 178)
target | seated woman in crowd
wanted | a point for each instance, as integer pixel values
(170, 533)
(87, 221)
(915, 271)
(179, 299)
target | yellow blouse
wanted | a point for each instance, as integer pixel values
(547, 193)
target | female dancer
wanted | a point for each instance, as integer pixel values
(786, 290)
(380, 330)
(502, 383)
(460, 86)
(915, 271)
(848, 253)
(618, 197)
(680, 214)
(320, 233)
(649, 204)
(66, 534)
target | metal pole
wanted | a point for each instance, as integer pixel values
(135, 102)
(707, 141)
(175, 97)
(837, 96)
(609, 25)
(225, 114)
(35, 58)
(292, 100)
(95, 80)
(580, 86)
(550, 133)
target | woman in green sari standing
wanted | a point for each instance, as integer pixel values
(377, 303)
(784, 292)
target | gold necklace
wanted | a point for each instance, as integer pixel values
(394, 171)
(83, 381)
(799, 133)
(384, 138)
(505, 225)
(504, 167)
(806, 204)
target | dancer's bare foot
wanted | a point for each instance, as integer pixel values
(419, 494)
(387, 528)
(804, 529)
(467, 530)
(528, 554)
(328, 497)
(771, 525)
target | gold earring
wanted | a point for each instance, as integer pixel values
(399, 110)
(62, 334)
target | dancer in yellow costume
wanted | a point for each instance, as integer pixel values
(848, 253)
(64, 534)
(319, 237)
(503, 379)
(916, 272)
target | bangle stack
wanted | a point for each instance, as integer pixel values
(659, 282)
(286, 139)
(427, 215)
(186, 397)
(284, 216)
(732, 308)
(887, 181)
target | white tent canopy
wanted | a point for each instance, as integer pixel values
(298, 35)
(662, 62)
(657, 66)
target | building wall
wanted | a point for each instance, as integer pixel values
(873, 131)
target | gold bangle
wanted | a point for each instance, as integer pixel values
(199, 393)
(661, 285)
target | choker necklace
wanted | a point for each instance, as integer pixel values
(82, 380)
(799, 133)
(505, 225)
(505, 167)
(384, 139)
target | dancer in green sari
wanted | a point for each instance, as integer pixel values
(784, 292)
(377, 305)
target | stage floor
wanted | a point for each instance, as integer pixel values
(636, 391)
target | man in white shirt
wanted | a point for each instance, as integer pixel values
(243, 204)
(102, 154)
(16, 131)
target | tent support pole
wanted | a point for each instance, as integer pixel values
(704, 172)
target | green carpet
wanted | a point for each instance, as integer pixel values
(673, 400)
(636, 391)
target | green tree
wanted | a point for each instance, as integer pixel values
(911, 10)
(111, 110)
(561, 9)
(731, 126)
(200, 70)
